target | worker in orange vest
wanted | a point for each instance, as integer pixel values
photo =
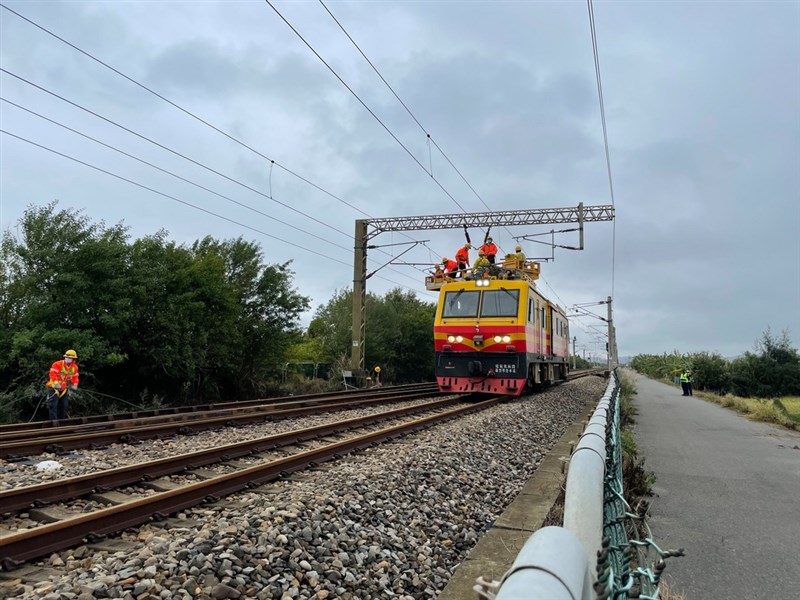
(450, 266)
(462, 258)
(63, 378)
(489, 249)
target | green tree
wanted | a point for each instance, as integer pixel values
(151, 319)
(399, 333)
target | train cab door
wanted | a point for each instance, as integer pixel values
(547, 329)
(531, 327)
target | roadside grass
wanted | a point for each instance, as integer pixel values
(665, 592)
(637, 481)
(781, 411)
(792, 406)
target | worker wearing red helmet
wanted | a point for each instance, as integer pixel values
(63, 378)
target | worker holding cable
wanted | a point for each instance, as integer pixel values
(63, 378)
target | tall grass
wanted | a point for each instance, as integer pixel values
(782, 411)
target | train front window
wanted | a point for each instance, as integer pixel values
(500, 303)
(461, 304)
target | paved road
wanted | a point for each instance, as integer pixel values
(728, 491)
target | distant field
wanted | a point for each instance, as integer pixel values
(792, 404)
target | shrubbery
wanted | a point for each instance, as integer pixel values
(772, 370)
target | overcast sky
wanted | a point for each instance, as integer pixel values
(702, 104)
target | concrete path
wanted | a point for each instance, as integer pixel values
(728, 491)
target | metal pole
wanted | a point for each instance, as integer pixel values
(359, 297)
(574, 363)
(610, 336)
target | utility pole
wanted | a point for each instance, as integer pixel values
(366, 229)
(574, 339)
(611, 342)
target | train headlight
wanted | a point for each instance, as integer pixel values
(459, 339)
(451, 338)
(482, 283)
(498, 339)
(506, 338)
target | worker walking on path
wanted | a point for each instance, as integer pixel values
(63, 378)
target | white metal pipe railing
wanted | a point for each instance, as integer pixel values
(559, 563)
(583, 502)
(546, 568)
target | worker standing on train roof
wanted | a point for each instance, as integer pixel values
(63, 377)
(462, 258)
(437, 271)
(519, 254)
(490, 249)
(481, 264)
(450, 266)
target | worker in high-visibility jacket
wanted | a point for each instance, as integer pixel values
(462, 258)
(450, 267)
(686, 382)
(489, 249)
(63, 378)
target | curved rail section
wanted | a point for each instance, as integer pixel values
(26, 544)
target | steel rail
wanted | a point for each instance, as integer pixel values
(199, 408)
(63, 489)
(25, 545)
(88, 435)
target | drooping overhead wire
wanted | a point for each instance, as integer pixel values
(205, 122)
(170, 150)
(165, 195)
(184, 202)
(364, 104)
(175, 175)
(185, 110)
(596, 54)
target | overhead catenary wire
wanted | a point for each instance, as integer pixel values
(184, 110)
(189, 113)
(601, 100)
(364, 104)
(175, 175)
(405, 106)
(170, 150)
(180, 201)
(165, 195)
(429, 137)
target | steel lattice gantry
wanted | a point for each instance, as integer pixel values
(366, 229)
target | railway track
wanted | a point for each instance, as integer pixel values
(177, 412)
(264, 463)
(17, 442)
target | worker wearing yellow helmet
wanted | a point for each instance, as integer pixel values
(450, 266)
(63, 378)
(519, 254)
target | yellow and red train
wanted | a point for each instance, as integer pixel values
(498, 334)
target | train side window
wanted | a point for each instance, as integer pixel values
(530, 311)
(543, 318)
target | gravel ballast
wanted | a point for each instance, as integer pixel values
(390, 522)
